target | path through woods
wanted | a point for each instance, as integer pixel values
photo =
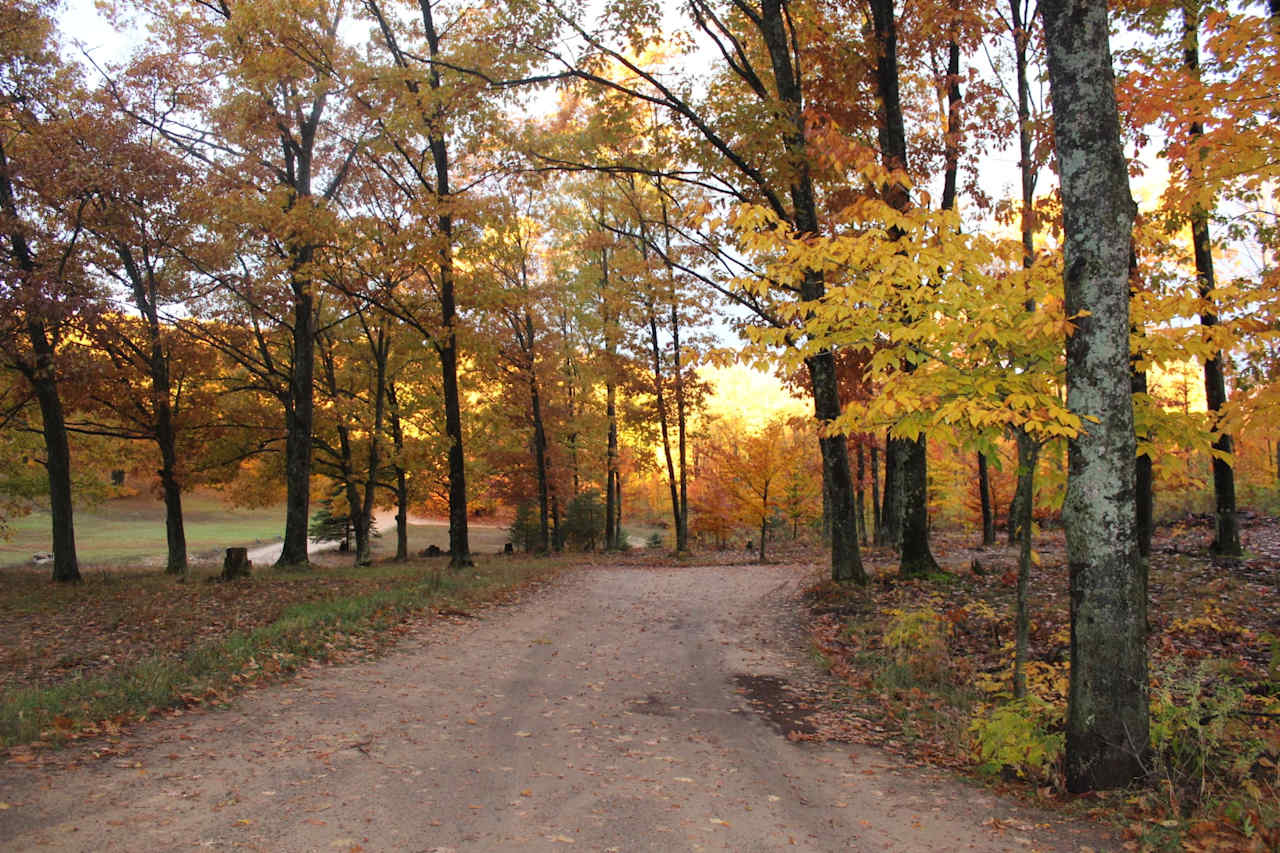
(616, 709)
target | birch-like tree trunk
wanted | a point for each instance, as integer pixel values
(1107, 712)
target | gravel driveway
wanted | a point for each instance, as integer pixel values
(616, 709)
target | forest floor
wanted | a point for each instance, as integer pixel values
(787, 709)
(923, 659)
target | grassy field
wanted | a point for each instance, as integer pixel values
(129, 532)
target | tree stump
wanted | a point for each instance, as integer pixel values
(236, 564)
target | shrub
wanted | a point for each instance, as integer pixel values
(917, 641)
(584, 521)
(1023, 736)
(1201, 746)
(525, 528)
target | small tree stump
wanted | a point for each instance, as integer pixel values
(236, 564)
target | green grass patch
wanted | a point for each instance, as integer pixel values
(132, 529)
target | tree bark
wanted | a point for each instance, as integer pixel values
(175, 530)
(861, 514)
(459, 540)
(663, 419)
(1107, 710)
(41, 374)
(910, 455)
(66, 568)
(875, 491)
(402, 476)
(984, 497)
(609, 322)
(145, 299)
(1226, 539)
(764, 519)
(1027, 173)
(916, 557)
(890, 528)
(1144, 482)
(677, 368)
(539, 449)
(846, 557)
(1028, 455)
(379, 345)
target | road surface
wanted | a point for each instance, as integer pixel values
(610, 711)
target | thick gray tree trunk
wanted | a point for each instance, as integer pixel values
(1107, 713)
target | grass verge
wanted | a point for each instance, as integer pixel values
(323, 615)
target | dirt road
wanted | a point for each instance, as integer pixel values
(609, 711)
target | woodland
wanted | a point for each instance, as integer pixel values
(484, 260)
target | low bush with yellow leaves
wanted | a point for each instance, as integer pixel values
(917, 641)
(1021, 737)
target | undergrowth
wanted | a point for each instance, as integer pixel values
(920, 655)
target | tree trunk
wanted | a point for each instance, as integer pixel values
(540, 462)
(1107, 709)
(916, 558)
(984, 497)
(1226, 539)
(911, 456)
(402, 476)
(379, 347)
(299, 420)
(682, 527)
(66, 568)
(661, 399)
(764, 520)
(175, 530)
(611, 464)
(846, 557)
(861, 514)
(145, 300)
(42, 376)
(677, 371)
(1027, 173)
(875, 491)
(557, 540)
(1144, 482)
(890, 526)
(1028, 456)
(459, 541)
